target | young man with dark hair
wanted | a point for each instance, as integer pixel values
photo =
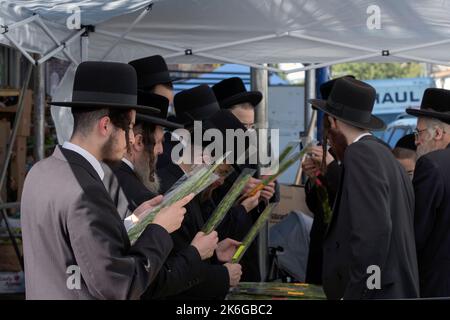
(405, 152)
(75, 243)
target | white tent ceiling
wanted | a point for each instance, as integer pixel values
(239, 31)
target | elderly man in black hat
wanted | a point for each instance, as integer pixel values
(369, 249)
(135, 175)
(154, 77)
(200, 104)
(432, 187)
(75, 243)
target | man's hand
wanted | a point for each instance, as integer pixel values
(226, 249)
(316, 153)
(251, 184)
(250, 203)
(141, 211)
(170, 218)
(268, 191)
(309, 167)
(205, 244)
(234, 272)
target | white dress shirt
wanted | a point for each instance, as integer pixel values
(87, 155)
(128, 163)
(361, 136)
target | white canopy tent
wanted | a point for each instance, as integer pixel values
(248, 32)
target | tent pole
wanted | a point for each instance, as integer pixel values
(310, 115)
(57, 42)
(18, 24)
(131, 26)
(259, 82)
(25, 54)
(39, 111)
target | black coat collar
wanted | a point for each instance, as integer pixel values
(74, 158)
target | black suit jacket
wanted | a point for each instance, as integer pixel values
(182, 269)
(215, 281)
(432, 222)
(68, 219)
(372, 224)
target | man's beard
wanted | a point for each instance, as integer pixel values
(107, 151)
(145, 171)
(338, 143)
(426, 147)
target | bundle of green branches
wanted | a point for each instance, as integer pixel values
(227, 202)
(194, 184)
(283, 166)
(251, 235)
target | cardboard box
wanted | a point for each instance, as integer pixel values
(292, 198)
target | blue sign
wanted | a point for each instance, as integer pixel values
(395, 95)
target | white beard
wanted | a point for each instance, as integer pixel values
(153, 186)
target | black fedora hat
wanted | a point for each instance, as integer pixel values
(325, 88)
(198, 103)
(232, 91)
(155, 101)
(351, 101)
(104, 85)
(151, 71)
(435, 104)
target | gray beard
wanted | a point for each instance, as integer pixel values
(424, 149)
(153, 186)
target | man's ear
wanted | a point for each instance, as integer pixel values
(438, 133)
(138, 144)
(333, 122)
(105, 126)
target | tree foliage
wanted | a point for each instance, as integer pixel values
(368, 71)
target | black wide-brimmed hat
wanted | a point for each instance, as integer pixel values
(151, 71)
(435, 104)
(195, 104)
(325, 88)
(155, 101)
(351, 101)
(232, 91)
(104, 85)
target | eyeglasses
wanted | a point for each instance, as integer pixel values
(417, 132)
(249, 125)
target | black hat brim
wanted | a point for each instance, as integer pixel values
(159, 121)
(429, 114)
(85, 104)
(375, 123)
(252, 97)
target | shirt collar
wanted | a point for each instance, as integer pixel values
(361, 136)
(87, 155)
(128, 163)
